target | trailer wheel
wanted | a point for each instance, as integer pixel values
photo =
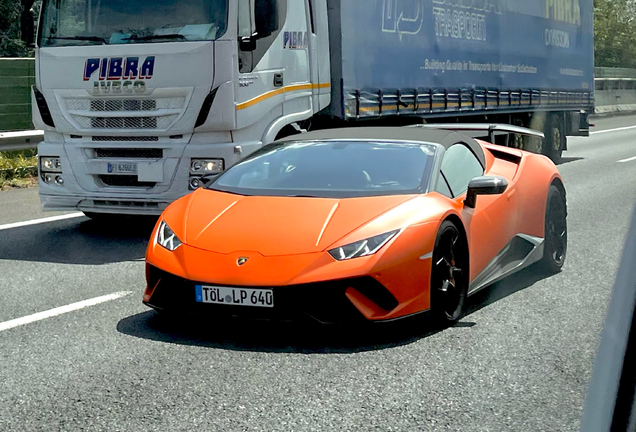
(554, 137)
(517, 141)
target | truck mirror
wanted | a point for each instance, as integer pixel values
(266, 17)
(27, 27)
(247, 44)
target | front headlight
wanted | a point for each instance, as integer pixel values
(363, 247)
(50, 164)
(206, 166)
(167, 238)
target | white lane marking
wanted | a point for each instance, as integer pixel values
(61, 310)
(40, 221)
(627, 160)
(612, 130)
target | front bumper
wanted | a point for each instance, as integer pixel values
(115, 204)
(325, 302)
(82, 170)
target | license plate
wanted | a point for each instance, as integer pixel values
(235, 296)
(125, 167)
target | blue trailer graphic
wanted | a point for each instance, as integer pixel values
(465, 54)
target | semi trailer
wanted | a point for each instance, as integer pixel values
(139, 100)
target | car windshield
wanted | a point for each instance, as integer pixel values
(332, 169)
(83, 22)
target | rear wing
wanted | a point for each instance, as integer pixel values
(484, 129)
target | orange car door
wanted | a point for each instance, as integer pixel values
(487, 225)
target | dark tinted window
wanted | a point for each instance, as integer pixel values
(331, 169)
(460, 166)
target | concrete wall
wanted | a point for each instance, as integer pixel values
(614, 97)
(16, 78)
(615, 90)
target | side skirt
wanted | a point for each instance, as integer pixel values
(522, 251)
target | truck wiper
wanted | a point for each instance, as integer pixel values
(154, 37)
(82, 38)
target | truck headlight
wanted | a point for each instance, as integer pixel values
(363, 247)
(206, 166)
(167, 238)
(50, 164)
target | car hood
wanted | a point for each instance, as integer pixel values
(272, 226)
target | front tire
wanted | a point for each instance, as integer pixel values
(449, 274)
(556, 231)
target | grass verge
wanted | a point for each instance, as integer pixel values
(18, 169)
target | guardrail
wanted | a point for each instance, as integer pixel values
(22, 140)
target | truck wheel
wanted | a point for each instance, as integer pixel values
(516, 140)
(554, 137)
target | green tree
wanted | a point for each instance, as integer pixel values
(615, 33)
(11, 44)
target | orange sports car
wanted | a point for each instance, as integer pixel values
(357, 224)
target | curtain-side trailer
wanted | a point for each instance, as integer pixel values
(139, 99)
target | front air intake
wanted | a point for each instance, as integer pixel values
(43, 107)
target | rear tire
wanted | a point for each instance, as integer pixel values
(556, 231)
(449, 274)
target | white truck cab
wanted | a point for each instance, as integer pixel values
(138, 99)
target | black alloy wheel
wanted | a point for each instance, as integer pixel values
(556, 231)
(449, 274)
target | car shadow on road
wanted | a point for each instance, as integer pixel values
(79, 241)
(306, 338)
(278, 337)
(511, 285)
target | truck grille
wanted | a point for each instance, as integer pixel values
(125, 138)
(125, 181)
(129, 153)
(117, 113)
(126, 204)
(125, 122)
(115, 105)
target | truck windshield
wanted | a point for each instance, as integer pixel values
(90, 22)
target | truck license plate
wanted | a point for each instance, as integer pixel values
(235, 296)
(122, 168)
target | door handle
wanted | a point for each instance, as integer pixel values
(278, 79)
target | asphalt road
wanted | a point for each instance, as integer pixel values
(520, 360)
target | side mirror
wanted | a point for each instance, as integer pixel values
(247, 44)
(484, 186)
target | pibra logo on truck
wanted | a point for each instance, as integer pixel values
(119, 74)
